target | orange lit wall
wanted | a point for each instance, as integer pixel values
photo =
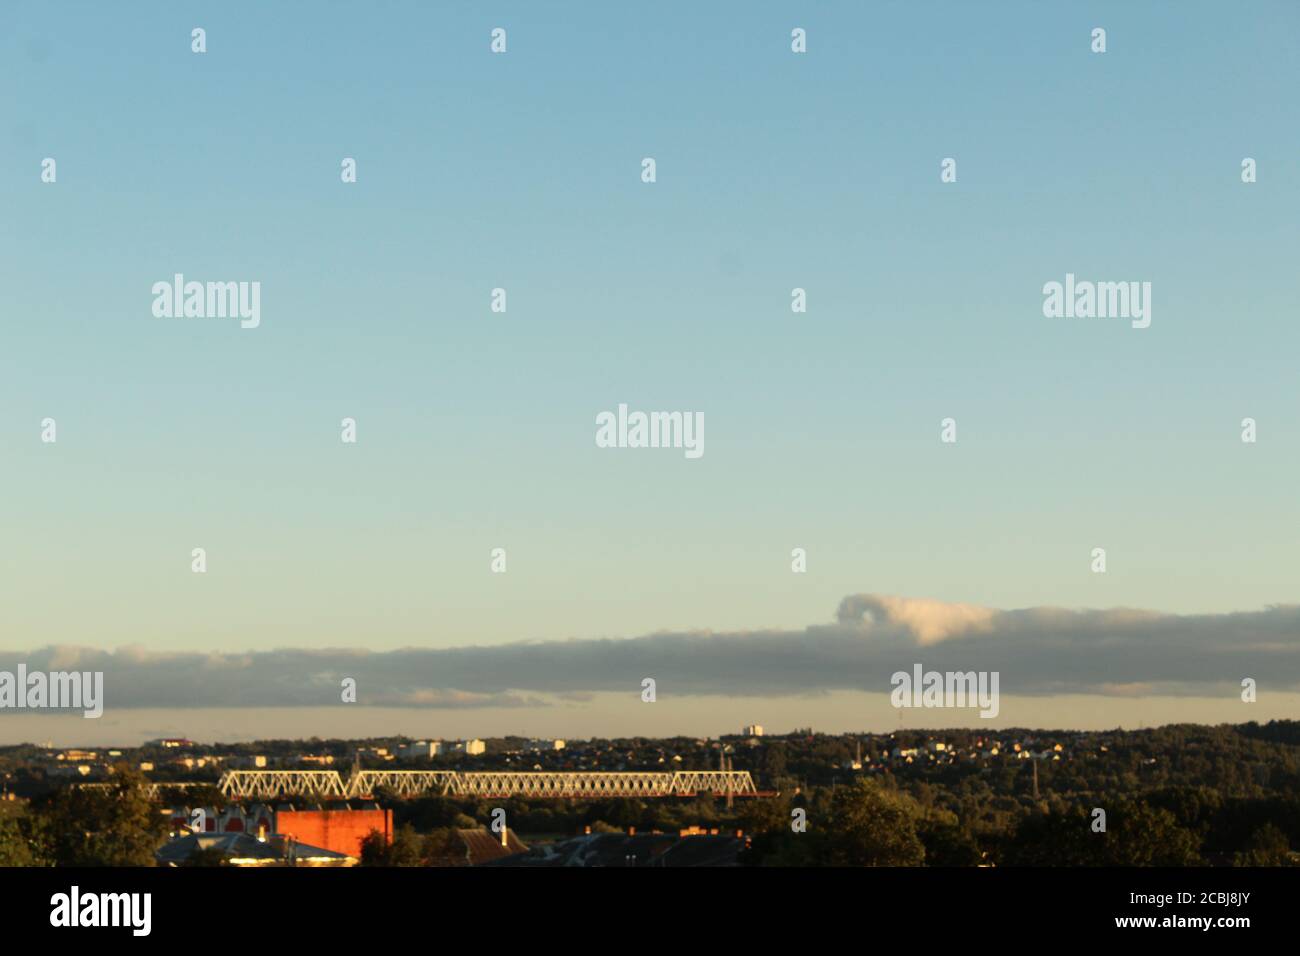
(339, 830)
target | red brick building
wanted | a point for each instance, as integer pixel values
(339, 830)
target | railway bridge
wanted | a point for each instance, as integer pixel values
(329, 784)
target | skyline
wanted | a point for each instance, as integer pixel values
(302, 724)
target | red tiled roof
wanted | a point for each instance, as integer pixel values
(482, 845)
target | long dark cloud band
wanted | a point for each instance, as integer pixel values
(1037, 651)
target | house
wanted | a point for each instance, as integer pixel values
(691, 848)
(541, 746)
(78, 756)
(340, 828)
(420, 748)
(244, 850)
(80, 770)
(482, 846)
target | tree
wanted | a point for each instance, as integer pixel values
(441, 847)
(870, 826)
(1268, 846)
(374, 849)
(1137, 834)
(22, 837)
(774, 760)
(1142, 835)
(116, 826)
(766, 816)
(1056, 838)
(406, 849)
(949, 844)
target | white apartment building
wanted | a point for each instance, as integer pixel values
(420, 748)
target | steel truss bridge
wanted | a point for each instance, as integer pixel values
(328, 784)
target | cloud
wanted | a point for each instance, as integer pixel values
(926, 620)
(1037, 651)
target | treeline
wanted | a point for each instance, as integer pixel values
(874, 822)
(114, 826)
(1175, 795)
(1243, 760)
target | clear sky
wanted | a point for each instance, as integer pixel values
(475, 430)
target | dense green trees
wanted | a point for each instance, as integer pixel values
(115, 826)
(1136, 834)
(862, 824)
(870, 826)
(408, 848)
(22, 837)
(1268, 846)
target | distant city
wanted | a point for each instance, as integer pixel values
(1177, 795)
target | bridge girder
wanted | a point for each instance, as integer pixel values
(270, 784)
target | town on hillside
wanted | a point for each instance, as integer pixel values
(1176, 795)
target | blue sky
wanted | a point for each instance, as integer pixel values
(521, 171)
